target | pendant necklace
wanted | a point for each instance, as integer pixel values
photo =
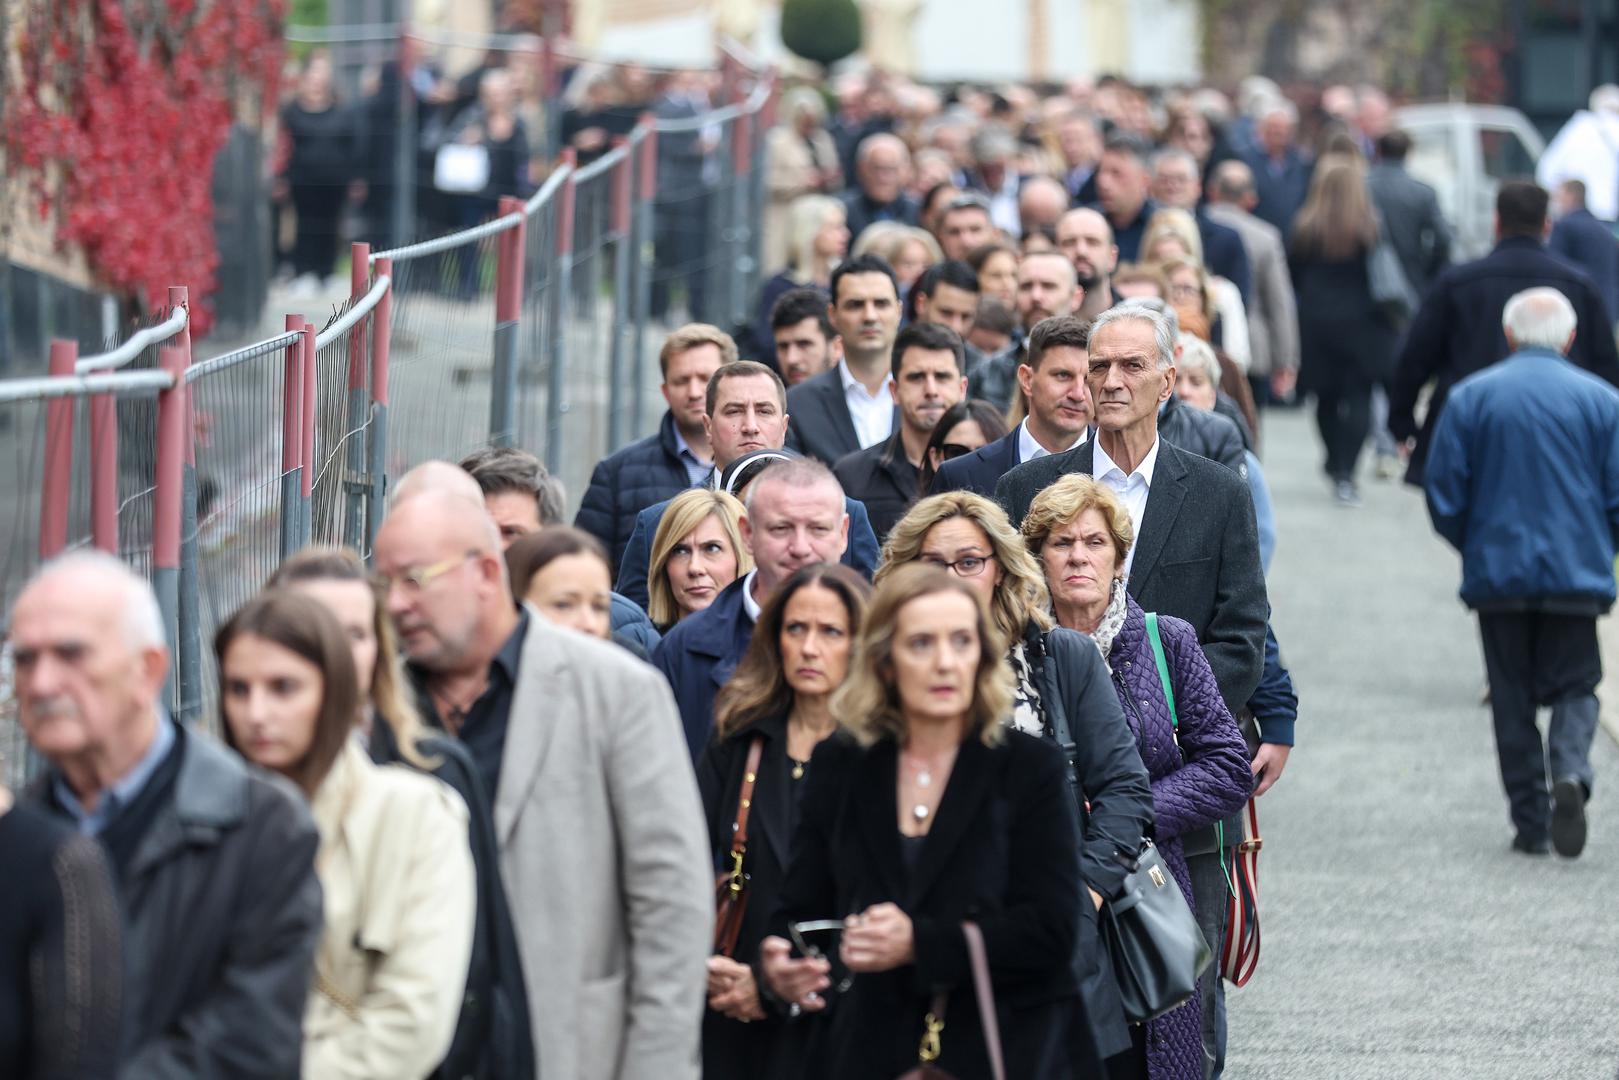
(924, 779)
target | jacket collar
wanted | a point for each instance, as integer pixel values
(1517, 243)
(666, 436)
(210, 798)
(713, 631)
(1164, 500)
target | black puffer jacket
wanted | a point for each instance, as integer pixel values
(1207, 434)
(627, 482)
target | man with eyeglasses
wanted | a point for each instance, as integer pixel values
(602, 839)
(1052, 381)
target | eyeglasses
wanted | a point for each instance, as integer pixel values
(419, 578)
(964, 567)
(952, 450)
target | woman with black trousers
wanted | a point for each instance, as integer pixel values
(1346, 341)
(779, 701)
(324, 152)
(934, 815)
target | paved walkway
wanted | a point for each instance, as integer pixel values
(1402, 940)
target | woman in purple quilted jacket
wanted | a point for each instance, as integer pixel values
(1081, 533)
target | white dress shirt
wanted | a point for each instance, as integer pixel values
(1132, 490)
(872, 414)
(1029, 448)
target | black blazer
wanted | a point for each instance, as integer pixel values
(819, 425)
(1197, 554)
(979, 471)
(1003, 851)
(882, 478)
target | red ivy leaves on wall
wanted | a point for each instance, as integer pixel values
(120, 111)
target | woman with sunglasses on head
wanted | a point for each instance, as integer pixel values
(775, 706)
(395, 871)
(492, 1038)
(965, 426)
(933, 814)
(1061, 694)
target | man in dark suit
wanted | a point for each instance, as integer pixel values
(1122, 184)
(849, 408)
(1281, 170)
(881, 166)
(1052, 379)
(1410, 210)
(1176, 183)
(1449, 340)
(928, 379)
(1587, 243)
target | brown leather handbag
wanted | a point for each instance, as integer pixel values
(932, 1036)
(731, 887)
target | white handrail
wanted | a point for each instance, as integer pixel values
(137, 344)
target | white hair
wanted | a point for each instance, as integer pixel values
(1279, 107)
(112, 578)
(1163, 334)
(1539, 318)
(1197, 354)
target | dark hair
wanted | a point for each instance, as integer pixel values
(862, 264)
(1575, 189)
(796, 305)
(735, 477)
(1058, 331)
(1393, 145)
(740, 369)
(994, 316)
(758, 688)
(532, 553)
(1520, 208)
(927, 336)
(500, 469)
(1123, 143)
(951, 272)
(933, 193)
(990, 419)
(302, 625)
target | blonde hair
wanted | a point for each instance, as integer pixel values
(1337, 221)
(1061, 504)
(805, 217)
(1020, 598)
(684, 513)
(886, 239)
(1173, 223)
(867, 704)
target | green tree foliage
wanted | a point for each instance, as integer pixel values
(822, 31)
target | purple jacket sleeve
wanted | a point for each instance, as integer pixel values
(1215, 780)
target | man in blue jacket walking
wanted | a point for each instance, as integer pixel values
(1523, 480)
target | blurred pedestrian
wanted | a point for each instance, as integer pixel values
(1281, 170)
(1273, 320)
(562, 573)
(889, 841)
(579, 741)
(492, 1036)
(800, 159)
(817, 240)
(1085, 237)
(996, 265)
(1346, 338)
(1123, 192)
(1061, 694)
(696, 553)
(769, 718)
(61, 991)
(1041, 201)
(1176, 185)
(319, 173)
(686, 177)
(806, 343)
(1587, 243)
(947, 296)
(220, 931)
(491, 142)
(965, 225)
(1190, 743)
(1447, 341)
(1520, 480)
(1584, 149)
(965, 427)
(882, 169)
(1047, 287)
(396, 874)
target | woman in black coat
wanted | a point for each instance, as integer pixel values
(936, 815)
(778, 698)
(1063, 694)
(1346, 341)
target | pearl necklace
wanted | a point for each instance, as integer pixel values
(924, 779)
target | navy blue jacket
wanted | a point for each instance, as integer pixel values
(979, 471)
(627, 480)
(1523, 480)
(1281, 192)
(1590, 245)
(632, 628)
(1457, 331)
(860, 552)
(698, 656)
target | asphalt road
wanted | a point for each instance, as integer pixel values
(1402, 939)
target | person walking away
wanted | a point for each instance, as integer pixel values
(910, 830)
(1273, 318)
(1587, 243)
(396, 874)
(1447, 341)
(219, 931)
(776, 706)
(1521, 480)
(1346, 340)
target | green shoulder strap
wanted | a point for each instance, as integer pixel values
(1163, 666)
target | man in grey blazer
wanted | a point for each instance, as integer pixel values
(604, 849)
(1273, 316)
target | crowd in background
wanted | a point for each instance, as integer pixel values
(938, 591)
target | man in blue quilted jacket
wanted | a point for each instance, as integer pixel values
(1523, 480)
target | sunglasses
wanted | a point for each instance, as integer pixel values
(954, 450)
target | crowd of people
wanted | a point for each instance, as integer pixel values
(857, 690)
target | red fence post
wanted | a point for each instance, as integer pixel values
(377, 443)
(56, 478)
(354, 487)
(104, 472)
(292, 435)
(168, 501)
(306, 440)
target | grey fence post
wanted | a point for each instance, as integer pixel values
(356, 487)
(404, 163)
(292, 426)
(621, 398)
(510, 247)
(377, 443)
(306, 441)
(647, 184)
(561, 311)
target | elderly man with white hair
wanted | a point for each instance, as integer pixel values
(882, 169)
(214, 859)
(1523, 480)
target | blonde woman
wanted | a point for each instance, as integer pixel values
(933, 814)
(696, 552)
(1060, 693)
(486, 1032)
(800, 159)
(817, 240)
(906, 248)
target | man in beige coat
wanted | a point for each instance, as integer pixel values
(603, 844)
